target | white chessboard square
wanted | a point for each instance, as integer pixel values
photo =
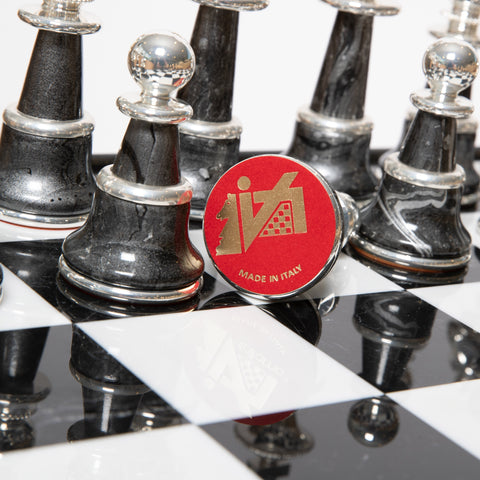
(460, 301)
(21, 307)
(229, 363)
(350, 277)
(452, 409)
(180, 452)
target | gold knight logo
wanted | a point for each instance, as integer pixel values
(282, 213)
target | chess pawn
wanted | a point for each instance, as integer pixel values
(111, 394)
(210, 140)
(414, 222)
(462, 23)
(45, 146)
(135, 246)
(332, 135)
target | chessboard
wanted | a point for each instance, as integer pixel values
(358, 377)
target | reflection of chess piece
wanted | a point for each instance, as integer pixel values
(332, 134)
(414, 223)
(111, 394)
(373, 422)
(135, 245)
(21, 387)
(209, 142)
(155, 412)
(45, 148)
(274, 443)
(465, 343)
(92, 307)
(390, 334)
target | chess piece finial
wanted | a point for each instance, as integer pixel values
(331, 134)
(135, 246)
(450, 67)
(210, 141)
(45, 147)
(414, 222)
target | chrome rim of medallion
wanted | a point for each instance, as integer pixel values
(48, 124)
(210, 140)
(332, 134)
(414, 222)
(135, 246)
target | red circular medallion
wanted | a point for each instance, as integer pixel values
(272, 226)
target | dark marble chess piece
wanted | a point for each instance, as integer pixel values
(463, 21)
(45, 147)
(414, 222)
(210, 140)
(111, 394)
(135, 245)
(21, 385)
(332, 135)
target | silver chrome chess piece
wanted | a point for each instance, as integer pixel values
(135, 246)
(331, 134)
(414, 222)
(210, 140)
(45, 147)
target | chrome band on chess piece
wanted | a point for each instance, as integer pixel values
(238, 5)
(138, 226)
(414, 222)
(364, 7)
(60, 16)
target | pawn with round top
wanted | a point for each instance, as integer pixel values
(135, 246)
(414, 223)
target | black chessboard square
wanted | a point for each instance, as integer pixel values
(371, 438)
(394, 340)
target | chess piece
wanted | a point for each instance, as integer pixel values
(135, 246)
(465, 343)
(210, 140)
(45, 147)
(462, 23)
(414, 223)
(111, 394)
(332, 135)
(21, 385)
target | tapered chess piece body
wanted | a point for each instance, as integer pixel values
(332, 134)
(135, 245)
(45, 147)
(414, 222)
(210, 140)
